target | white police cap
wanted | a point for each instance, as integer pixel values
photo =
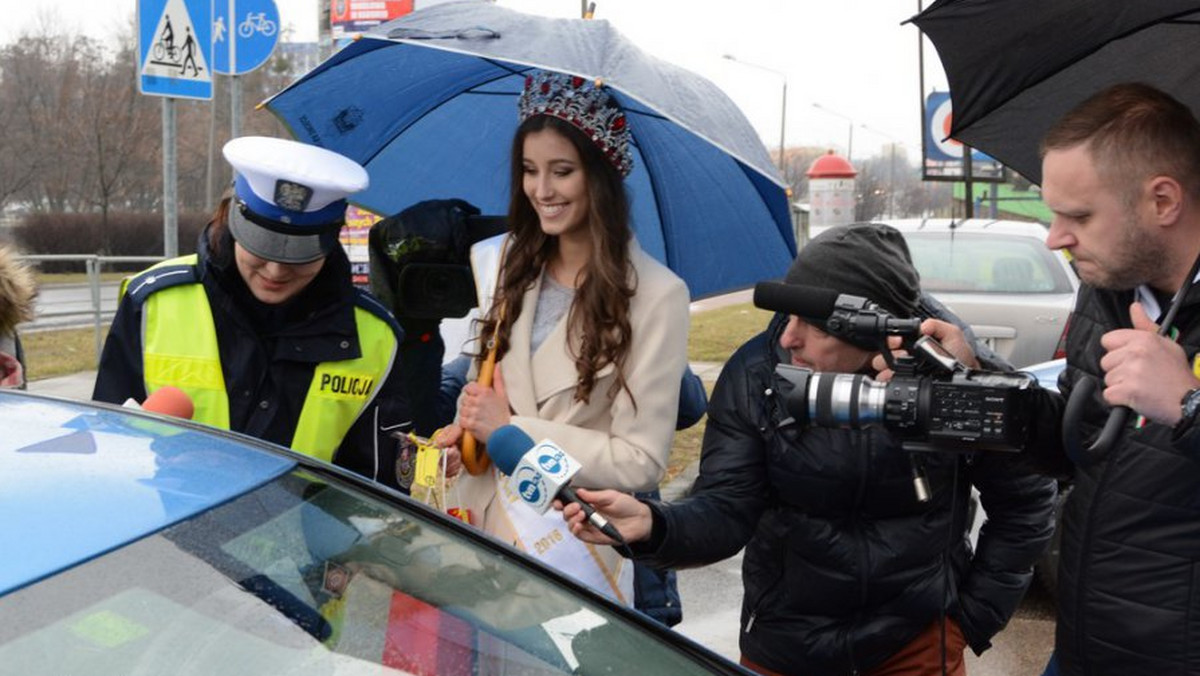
(290, 197)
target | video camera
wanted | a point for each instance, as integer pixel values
(933, 402)
(420, 258)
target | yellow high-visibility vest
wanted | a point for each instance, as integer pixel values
(179, 348)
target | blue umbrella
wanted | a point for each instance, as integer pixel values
(428, 104)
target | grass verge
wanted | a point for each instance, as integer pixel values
(59, 353)
(714, 335)
(44, 278)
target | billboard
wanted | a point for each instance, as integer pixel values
(943, 156)
(354, 240)
(347, 17)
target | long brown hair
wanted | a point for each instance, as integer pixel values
(219, 223)
(599, 315)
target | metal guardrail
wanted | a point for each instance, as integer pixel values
(93, 264)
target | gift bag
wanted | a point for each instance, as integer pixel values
(429, 483)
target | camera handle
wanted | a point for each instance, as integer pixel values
(916, 466)
(919, 481)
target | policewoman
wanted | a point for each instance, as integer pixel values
(262, 327)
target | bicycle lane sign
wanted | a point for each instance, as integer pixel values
(175, 48)
(248, 39)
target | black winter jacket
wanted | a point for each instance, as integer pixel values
(1129, 572)
(268, 354)
(843, 566)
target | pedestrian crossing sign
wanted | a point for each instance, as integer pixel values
(175, 48)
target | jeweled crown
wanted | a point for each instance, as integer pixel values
(585, 105)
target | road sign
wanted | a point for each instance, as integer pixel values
(943, 159)
(938, 116)
(251, 35)
(175, 48)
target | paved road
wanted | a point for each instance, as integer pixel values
(71, 305)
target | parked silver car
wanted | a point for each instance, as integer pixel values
(1000, 278)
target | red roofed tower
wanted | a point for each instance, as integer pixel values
(831, 191)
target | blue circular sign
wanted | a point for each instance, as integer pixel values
(250, 35)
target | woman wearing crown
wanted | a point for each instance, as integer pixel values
(590, 332)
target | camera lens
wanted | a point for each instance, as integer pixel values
(845, 400)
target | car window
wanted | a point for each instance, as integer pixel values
(986, 263)
(304, 576)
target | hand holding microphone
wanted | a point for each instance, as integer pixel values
(541, 473)
(630, 516)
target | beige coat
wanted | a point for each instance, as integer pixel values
(617, 445)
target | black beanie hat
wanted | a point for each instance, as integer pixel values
(870, 260)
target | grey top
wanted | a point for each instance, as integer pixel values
(553, 302)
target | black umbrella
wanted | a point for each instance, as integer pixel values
(1016, 66)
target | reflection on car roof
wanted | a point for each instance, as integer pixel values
(78, 480)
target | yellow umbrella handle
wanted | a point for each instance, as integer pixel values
(474, 453)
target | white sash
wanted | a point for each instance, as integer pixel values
(546, 538)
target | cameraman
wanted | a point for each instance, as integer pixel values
(845, 570)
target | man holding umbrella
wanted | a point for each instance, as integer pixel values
(1121, 172)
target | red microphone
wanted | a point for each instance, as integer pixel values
(172, 401)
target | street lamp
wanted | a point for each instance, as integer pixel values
(850, 124)
(891, 169)
(782, 112)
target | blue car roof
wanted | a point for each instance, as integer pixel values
(78, 480)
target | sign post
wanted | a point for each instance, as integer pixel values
(244, 35)
(174, 57)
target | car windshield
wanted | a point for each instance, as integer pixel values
(305, 576)
(986, 263)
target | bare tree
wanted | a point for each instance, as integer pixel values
(119, 124)
(18, 159)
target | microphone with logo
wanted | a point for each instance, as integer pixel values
(166, 400)
(541, 472)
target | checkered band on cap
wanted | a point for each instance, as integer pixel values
(585, 105)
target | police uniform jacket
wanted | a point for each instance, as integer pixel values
(843, 566)
(268, 354)
(1129, 569)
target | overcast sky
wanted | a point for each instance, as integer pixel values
(852, 57)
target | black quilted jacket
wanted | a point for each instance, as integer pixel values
(843, 566)
(1129, 573)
